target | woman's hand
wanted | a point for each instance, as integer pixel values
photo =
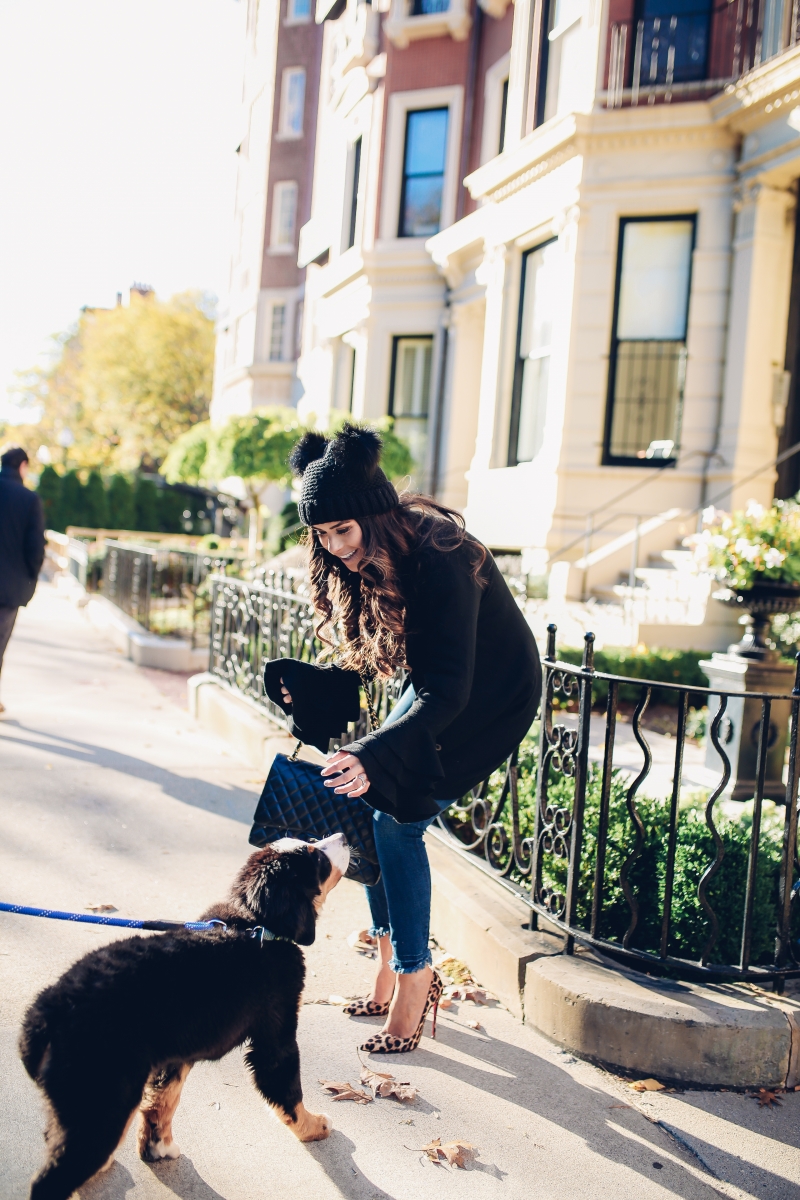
(353, 780)
(287, 699)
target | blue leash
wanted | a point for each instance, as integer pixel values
(123, 922)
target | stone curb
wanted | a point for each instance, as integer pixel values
(714, 1036)
(143, 648)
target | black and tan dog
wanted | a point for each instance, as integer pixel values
(120, 1031)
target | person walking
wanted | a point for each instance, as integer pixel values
(21, 541)
(397, 582)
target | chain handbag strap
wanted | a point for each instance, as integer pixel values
(374, 722)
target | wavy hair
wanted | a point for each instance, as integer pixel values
(363, 613)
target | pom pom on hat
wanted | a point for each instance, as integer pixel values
(341, 476)
(357, 448)
(311, 446)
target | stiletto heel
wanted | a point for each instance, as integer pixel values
(434, 1011)
(387, 1043)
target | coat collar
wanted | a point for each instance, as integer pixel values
(10, 475)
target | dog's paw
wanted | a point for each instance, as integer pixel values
(315, 1128)
(157, 1151)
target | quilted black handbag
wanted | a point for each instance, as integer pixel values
(296, 803)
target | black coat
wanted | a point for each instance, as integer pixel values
(477, 678)
(21, 540)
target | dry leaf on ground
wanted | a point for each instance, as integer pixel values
(101, 908)
(766, 1098)
(456, 1153)
(647, 1085)
(476, 995)
(334, 999)
(361, 941)
(473, 1024)
(445, 1002)
(386, 1085)
(455, 969)
(345, 1091)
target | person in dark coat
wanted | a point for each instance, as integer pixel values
(405, 586)
(21, 541)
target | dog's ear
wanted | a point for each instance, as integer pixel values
(280, 890)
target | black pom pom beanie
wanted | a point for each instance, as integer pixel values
(341, 476)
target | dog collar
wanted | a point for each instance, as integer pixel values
(266, 935)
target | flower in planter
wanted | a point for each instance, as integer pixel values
(742, 549)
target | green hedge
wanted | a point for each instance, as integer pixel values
(119, 503)
(665, 666)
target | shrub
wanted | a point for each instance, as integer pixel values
(96, 501)
(49, 490)
(121, 507)
(663, 666)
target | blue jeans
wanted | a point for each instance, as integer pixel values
(400, 903)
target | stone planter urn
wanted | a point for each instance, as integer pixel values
(753, 665)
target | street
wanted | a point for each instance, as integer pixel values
(111, 795)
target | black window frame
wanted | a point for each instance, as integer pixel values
(503, 114)
(519, 363)
(615, 460)
(355, 184)
(410, 112)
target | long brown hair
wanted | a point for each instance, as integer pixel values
(366, 608)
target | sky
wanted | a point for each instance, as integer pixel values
(118, 131)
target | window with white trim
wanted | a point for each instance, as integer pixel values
(538, 296)
(277, 327)
(647, 364)
(293, 98)
(409, 399)
(284, 217)
(298, 12)
(355, 184)
(424, 162)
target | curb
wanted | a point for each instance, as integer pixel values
(719, 1036)
(143, 648)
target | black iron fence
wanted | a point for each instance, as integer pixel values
(164, 590)
(670, 883)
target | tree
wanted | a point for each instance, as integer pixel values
(125, 382)
(187, 455)
(73, 508)
(121, 507)
(145, 498)
(49, 489)
(95, 501)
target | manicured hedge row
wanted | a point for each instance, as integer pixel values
(664, 666)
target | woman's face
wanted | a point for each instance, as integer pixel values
(343, 540)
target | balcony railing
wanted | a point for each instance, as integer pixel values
(659, 884)
(657, 59)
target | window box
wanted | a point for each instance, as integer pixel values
(408, 20)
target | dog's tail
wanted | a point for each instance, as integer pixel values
(34, 1041)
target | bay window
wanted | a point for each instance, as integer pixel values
(647, 365)
(424, 161)
(409, 397)
(538, 295)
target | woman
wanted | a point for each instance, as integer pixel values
(403, 585)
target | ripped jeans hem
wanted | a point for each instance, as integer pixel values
(406, 969)
(378, 931)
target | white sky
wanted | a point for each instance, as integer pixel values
(118, 126)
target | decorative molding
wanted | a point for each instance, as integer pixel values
(402, 29)
(494, 8)
(357, 39)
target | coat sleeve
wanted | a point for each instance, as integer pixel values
(442, 629)
(33, 543)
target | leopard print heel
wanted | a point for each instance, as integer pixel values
(365, 1008)
(388, 1043)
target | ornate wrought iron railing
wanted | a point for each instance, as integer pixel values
(161, 588)
(534, 829)
(563, 829)
(254, 622)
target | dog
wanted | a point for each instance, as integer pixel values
(121, 1029)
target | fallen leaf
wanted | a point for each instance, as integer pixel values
(361, 941)
(765, 1098)
(101, 908)
(476, 995)
(334, 999)
(456, 1153)
(647, 1085)
(345, 1091)
(386, 1085)
(457, 970)
(473, 1024)
(446, 1002)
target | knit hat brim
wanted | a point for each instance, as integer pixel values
(348, 504)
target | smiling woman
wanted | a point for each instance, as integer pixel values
(398, 584)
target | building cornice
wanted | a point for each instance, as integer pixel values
(753, 98)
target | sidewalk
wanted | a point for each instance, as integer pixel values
(110, 794)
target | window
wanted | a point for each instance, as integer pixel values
(672, 39)
(354, 186)
(423, 172)
(293, 96)
(409, 400)
(421, 8)
(284, 214)
(501, 141)
(298, 12)
(647, 365)
(276, 330)
(538, 294)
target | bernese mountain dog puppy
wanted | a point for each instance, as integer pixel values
(121, 1029)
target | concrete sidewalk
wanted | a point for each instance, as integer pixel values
(111, 795)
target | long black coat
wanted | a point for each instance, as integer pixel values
(21, 540)
(477, 677)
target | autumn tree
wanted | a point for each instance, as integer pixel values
(125, 382)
